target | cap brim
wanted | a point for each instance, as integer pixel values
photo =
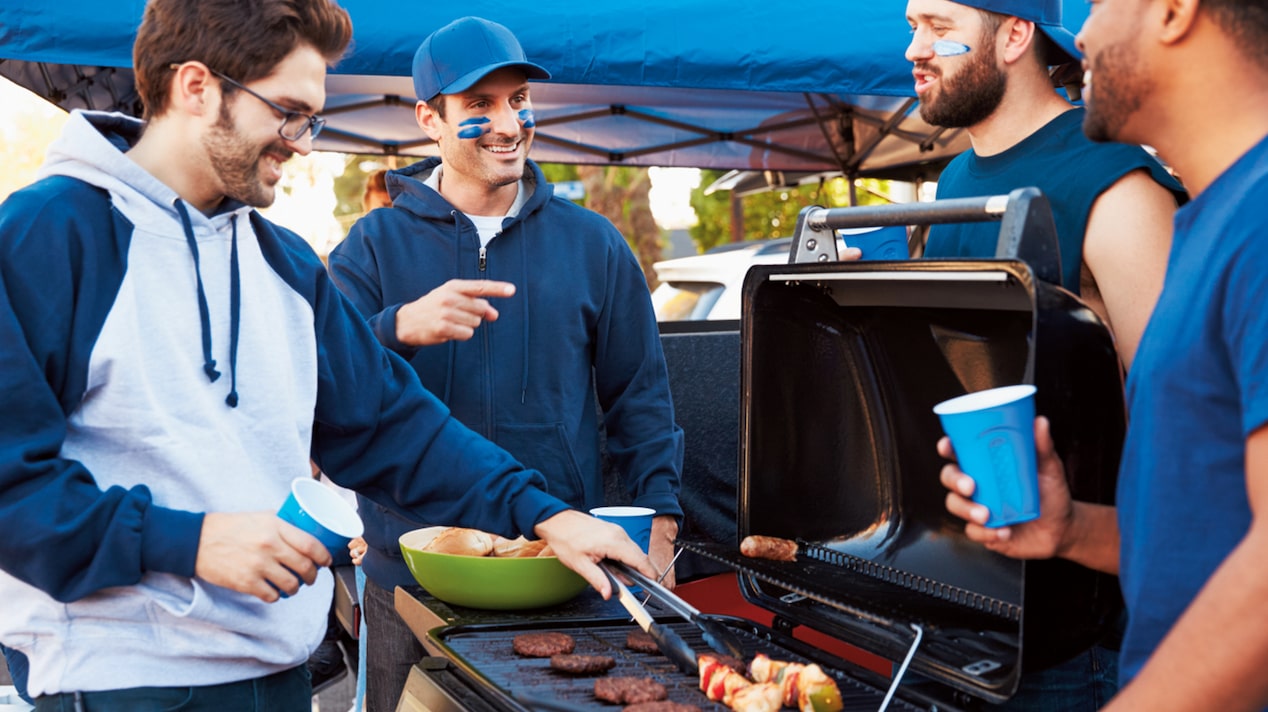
(470, 79)
(1064, 39)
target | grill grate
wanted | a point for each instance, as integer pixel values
(865, 589)
(485, 652)
(913, 582)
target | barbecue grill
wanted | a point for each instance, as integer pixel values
(841, 365)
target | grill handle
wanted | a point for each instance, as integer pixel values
(1027, 231)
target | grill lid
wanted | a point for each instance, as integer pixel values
(841, 365)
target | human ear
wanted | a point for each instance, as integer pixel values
(428, 120)
(1019, 37)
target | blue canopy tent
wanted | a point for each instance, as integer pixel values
(770, 88)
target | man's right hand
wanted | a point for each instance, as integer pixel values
(257, 553)
(450, 312)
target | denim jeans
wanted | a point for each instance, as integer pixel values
(286, 691)
(392, 653)
(1085, 682)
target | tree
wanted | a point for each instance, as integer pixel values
(29, 125)
(621, 194)
(772, 213)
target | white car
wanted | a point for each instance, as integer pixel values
(708, 286)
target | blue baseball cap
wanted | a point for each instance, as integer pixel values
(1046, 14)
(460, 54)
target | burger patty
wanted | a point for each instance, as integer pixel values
(661, 706)
(543, 645)
(582, 664)
(629, 690)
(640, 641)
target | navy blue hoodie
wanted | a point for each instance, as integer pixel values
(578, 333)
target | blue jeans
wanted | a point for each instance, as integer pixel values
(394, 651)
(286, 691)
(1085, 682)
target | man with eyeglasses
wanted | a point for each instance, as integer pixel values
(172, 361)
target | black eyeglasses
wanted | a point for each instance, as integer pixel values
(294, 124)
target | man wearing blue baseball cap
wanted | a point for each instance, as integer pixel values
(987, 66)
(573, 324)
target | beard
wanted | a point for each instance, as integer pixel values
(968, 97)
(237, 162)
(1118, 90)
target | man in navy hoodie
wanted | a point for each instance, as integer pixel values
(172, 361)
(572, 325)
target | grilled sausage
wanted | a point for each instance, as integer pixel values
(769, 547)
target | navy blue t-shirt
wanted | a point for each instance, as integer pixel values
(1197, 390)
(1070, 169)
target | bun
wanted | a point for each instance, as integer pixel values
(461, 541)
(518, 547)
(420, 538)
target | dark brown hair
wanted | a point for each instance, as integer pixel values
(1246, 22)
(1048, 53)
(244, 39)
(437, 104)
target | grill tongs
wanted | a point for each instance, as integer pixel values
(669, 642)
(715, 633)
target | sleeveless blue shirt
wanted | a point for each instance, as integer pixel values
(1068, 167)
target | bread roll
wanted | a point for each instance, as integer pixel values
(465, 542)
(420, 538)
(517, 547)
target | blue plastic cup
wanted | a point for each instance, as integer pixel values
(322, 512)
(878, 243)
(636, 521)
(993, 433)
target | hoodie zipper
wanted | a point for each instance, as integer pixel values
(484, 257)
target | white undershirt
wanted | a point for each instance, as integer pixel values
(487, 226)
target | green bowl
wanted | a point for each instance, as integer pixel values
(491, 582)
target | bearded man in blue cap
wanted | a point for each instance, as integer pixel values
(985, 66)
(988, 66)
(573, 323)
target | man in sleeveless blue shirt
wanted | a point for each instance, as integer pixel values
(1189, 77)
(983, 65)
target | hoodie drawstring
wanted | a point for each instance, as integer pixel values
(524, 307)
(209, 364)
(457, 269)
(235, 315)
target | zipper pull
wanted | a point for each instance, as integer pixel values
(484, 257)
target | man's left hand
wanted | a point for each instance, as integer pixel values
(661, 550)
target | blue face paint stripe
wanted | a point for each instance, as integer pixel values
(473, 127)
(948, 48)
(527, 118)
